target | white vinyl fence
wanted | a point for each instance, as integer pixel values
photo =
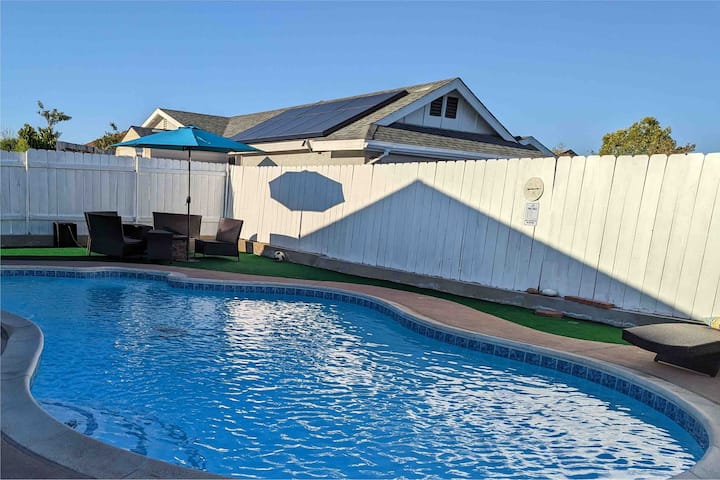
(642, 233)
(40, 187)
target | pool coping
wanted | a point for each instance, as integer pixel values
(28, 425)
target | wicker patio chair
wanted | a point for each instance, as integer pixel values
(226, 240)
(106, 236)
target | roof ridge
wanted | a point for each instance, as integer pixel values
(168, 110)
(420, 86)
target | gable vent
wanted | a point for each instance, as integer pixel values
(436, 107)
(451, 107)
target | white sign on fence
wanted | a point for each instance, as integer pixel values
(531, 213)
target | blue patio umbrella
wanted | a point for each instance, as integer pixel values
(188, 138)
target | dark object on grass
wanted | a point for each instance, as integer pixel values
(159, 245)
(177, 223)
(691, 346)
(226, 239)
(106, 236)
(65, 235)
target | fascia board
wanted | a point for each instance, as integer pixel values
(334, 145)
(536, 143)
(426, 151)
(289, 146)
(162, 114)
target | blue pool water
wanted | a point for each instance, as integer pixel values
(282, 386)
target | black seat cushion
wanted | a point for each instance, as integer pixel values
(675, 338)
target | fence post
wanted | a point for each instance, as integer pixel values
(137, 187)
(27, 193)
(227, 186)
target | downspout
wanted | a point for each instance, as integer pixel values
(138, 154)
(385, 153)
(26, 164)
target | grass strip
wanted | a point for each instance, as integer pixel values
(254, 265)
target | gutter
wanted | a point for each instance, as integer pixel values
(417, 150)
(375, 160)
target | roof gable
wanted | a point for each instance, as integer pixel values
(362, 127)
(212, 123)
(457, 87)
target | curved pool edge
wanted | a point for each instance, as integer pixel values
(28, 425)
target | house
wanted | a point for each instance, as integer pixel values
(442, 120)
(568, 152)
(530, 140)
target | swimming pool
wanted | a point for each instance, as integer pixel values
(308, 385)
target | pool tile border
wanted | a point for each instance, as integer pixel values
(537, 356)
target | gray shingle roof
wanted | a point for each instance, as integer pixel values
(364, 127)
(211, 123)
(429, 137)
(240, 123)
(360, 128)
(231, 126)
(142, 131)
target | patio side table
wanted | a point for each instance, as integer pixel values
(159, 245)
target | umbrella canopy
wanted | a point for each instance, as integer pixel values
(188, 138)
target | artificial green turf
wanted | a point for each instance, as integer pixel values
(43, 252)
(255, 265)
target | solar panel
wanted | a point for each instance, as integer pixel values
(316, 120)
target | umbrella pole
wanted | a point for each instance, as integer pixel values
(187, 246)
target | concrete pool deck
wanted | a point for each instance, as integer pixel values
(19, 462)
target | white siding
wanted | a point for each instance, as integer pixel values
(466, 120)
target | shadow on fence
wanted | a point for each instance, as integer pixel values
(477, 248)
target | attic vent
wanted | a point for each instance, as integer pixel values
(436, 107)
(451, 107)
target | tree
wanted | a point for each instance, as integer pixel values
(559, 148)
(28, 135)
(7, 141)
(644, 137)
(43, 138)
(113, 136)
(12, 144)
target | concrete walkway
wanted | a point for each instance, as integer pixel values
(18, 463)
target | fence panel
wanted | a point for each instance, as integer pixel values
(679, 232)
(640, 251)
(620, 225)
(483, 222)
(63, 185)
(470, 197)
(696, 249)
(13, 182)
(635, 231)
(642, 233)
(453, 216)
(706, 299)
(421, 241)
(531, 249)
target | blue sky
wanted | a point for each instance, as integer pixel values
(563, 72)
